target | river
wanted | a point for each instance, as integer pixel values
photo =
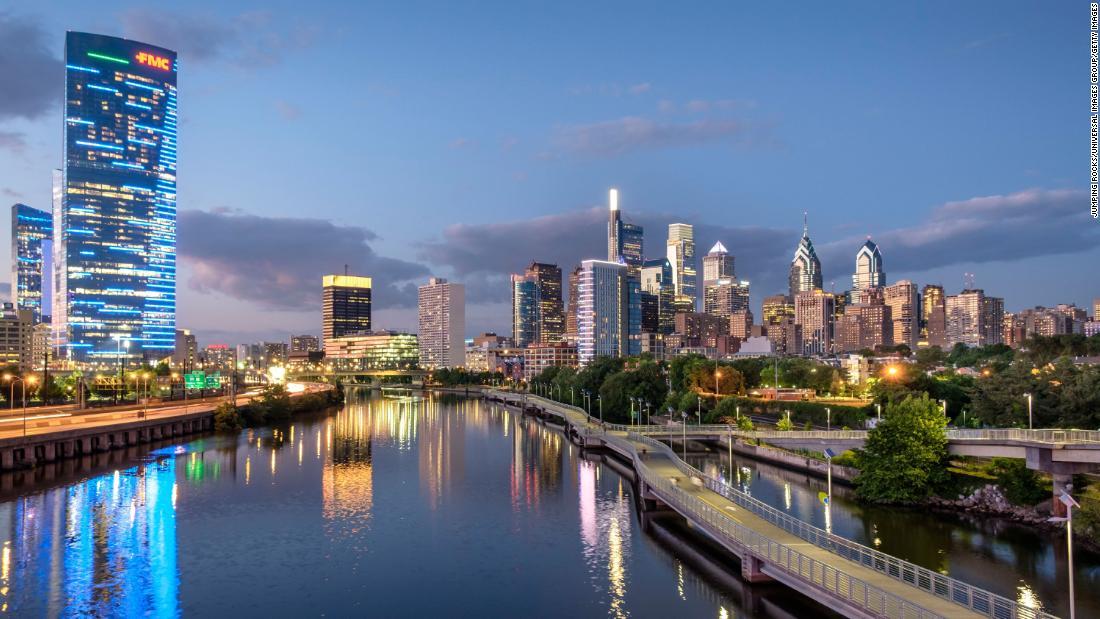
(416, 506)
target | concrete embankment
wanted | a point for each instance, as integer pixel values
(50, 440)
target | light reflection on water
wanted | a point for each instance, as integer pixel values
(392, 507)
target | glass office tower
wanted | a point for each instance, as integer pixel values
(31, 259)
(115, 233)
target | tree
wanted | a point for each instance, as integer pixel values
(701, 379)
(784, 425)
(745, 424)
(905, 457)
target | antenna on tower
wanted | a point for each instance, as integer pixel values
(968, 281)
(805, 223)
(345, 269)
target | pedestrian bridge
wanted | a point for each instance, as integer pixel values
(772, 545)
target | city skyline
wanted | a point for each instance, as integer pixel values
(1020, 216)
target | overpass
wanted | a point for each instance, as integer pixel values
(772, 545)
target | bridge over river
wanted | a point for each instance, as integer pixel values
(853, 579)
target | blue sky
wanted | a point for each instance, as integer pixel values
(429, 138)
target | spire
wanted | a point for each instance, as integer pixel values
(613, 198)
(805, 223)
(719, 248)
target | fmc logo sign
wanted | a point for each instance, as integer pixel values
(152, 60)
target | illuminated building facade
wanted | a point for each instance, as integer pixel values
(933, 316)
(904, 303)
(304, 344)
(624, 241)
(805, 273)
(680, 251)
(609, 311)
(815, 312)
(657, 284)
(31, 259)
(378, 350)
(16, 337)
(550, 326)
(345, 305)
(868, 273)
(539, 357)
(777, 307)
(525, 310)
(186, 353)
(441, 316)
(115, 233)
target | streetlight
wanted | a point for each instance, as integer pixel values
(120, 342)
(828, 419)
(1068, 501)
(1029, 425)
(599, 400)
(878, 408)
(29, 380)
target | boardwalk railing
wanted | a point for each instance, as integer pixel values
(944, 587)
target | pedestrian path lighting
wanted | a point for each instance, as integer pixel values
(1068, 501)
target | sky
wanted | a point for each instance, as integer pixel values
(465, 140)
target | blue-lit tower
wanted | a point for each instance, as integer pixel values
(115, 232)
(31, 259)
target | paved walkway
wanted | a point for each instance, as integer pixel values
(814, 562)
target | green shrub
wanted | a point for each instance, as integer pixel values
(803, 412)
(227, 418)
(745, 424)
(1086, 520)
(1021, 485)
(848, 458)
(784, 425)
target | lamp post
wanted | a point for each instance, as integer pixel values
(120, 342)
(599, 400)
(684, 416)
(828, 419)
(878, 408)
(30, 380)
(1029, 424)
(1070, 503)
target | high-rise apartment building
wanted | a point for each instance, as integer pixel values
(441, 309)
(525, 310)
(904, 304)
(115, 233)
(345, 305)
(1096, 310)
(657, 281)
(933, 316)
(17, 338)
(863, 325)
(31, 259)
(680, 251)
(814, 312)
(974, 319)
(723, 297)
(805, 273)
(624, 240)
(550, 326)
(609, 313)
(869, 272)
(571, 307)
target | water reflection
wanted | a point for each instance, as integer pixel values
(391, 507)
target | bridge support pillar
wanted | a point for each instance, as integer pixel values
(751, 569)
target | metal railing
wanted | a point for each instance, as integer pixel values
(939, 585)
(1032, 436)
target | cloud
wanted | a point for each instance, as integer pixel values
(460, 143)
(638, 89)
(247, 40)
(13, 141)
(30, 71)
(11, 193)
(288, 110)
(633, 133)
(277, 263)
(997, 228)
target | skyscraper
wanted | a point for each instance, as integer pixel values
(115, 237)
(31, 259)
(304, 344)
(805, 267)
(904, 307)
(657, 281)
(868, 273)
(441, 309)
(933, 316)
(609, 313)
(525, 310)
(186, 352)
(550, 328)
(345, 305)
(571, 308)
(974, 319)
(723, 297)
(777, 307)
(680, 251)
(624, 241)
(717, 264)
(814, 312)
